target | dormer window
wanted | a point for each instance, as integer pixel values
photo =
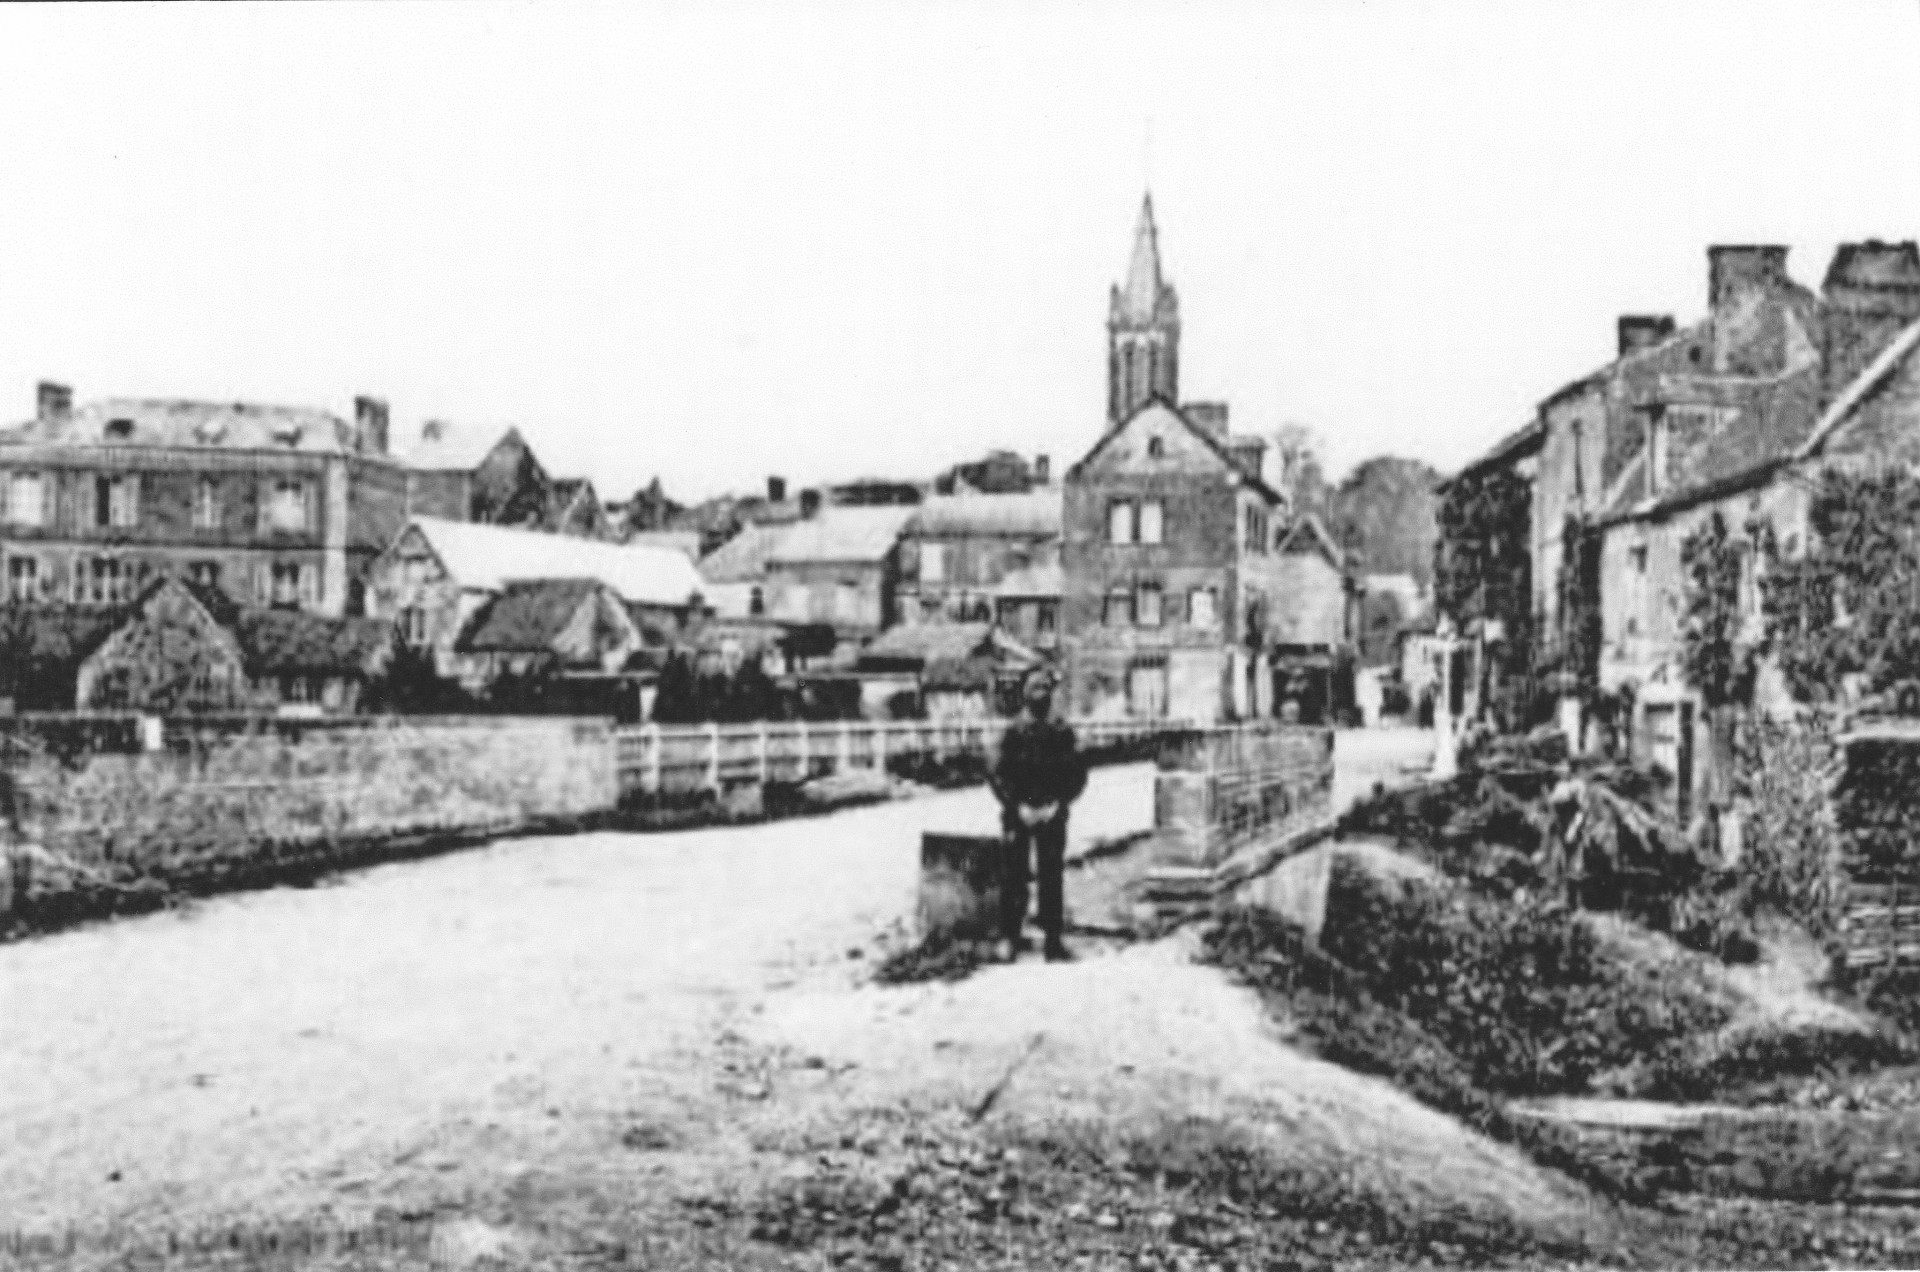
(119, 430)
(210, 431)
(287, 435)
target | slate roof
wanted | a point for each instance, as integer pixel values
(1035, 580)
(1220, 447)
(857, 535)
(1033, 514)
(1309, 535)
(458, 447)
(743, 558)
(1147, 294)
(183, 422)
(925, 642)
(488, 558)
(527, 617)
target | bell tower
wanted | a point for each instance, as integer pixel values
(1143, 329)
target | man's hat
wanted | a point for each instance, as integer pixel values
(1040, 678)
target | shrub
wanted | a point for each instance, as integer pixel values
(1522, 992)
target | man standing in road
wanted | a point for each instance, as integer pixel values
(1036, 776)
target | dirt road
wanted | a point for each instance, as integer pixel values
(499, 1022)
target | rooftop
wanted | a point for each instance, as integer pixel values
(183, 422)
(489, 558)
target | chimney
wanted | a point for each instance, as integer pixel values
(1249, 455)
(433, 430)
(1862, 270)
(1643, 331)
(1735, 269)
(55, 401)
(1209, 417)
(809, 502)
(776, 490)
(1042, 470)
(370, 425)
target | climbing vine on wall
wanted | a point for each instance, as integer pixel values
(1578, 638)
(1483, 562)
(1845, 606)
(1711, 654)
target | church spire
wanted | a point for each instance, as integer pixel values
(1142, 294)
(1143, 328)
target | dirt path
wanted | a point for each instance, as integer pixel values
(285, 1049)
(530, 1037)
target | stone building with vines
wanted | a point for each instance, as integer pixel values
(1669, 482)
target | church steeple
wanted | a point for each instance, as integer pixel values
(1143, 329)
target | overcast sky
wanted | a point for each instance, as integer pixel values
(827, 239)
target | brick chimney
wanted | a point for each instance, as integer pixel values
(1209, 417)
(776, 489)
(1732, 269)
(1042, 470)
(1249, 455)
(370, 425)
(809, 502)
(53, 402)
(1643, 331)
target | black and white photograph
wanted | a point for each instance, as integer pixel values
(843, 636)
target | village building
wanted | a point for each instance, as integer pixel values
(184, 647)
(946, 671)
(1183, 572)
(958, 550)
(1734, 415)
(469, 473)
(838, 568)
(574, 508)
(1172, 574)
(438, 575)
(276, 505)
(1027, 605)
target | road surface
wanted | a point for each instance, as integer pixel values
(455, 1022)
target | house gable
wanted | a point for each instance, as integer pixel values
(170, 654)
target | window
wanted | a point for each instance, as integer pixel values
(1118, 611)
(1120, 522)
(846, 603)
(205, 573)
(119, 430)
(300, 689)
(933, 563)
(1156, 447)
(286, 585)
(757, 601)
(1637, 556)
(1202, 608)
(100, 581)
(1147, 611)
(289, 506)
(413, 625)
(26, 500)
(1043, 616)
(1256, 529)
(23, 579)
(206, 505)
(1152, 522)
(116, 501)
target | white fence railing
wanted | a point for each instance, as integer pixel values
(654, 758)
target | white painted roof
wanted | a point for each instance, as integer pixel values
(490, 557)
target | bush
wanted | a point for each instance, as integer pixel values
(1522, 992)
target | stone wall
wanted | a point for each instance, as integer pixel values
(1223, 791)
(215, 801)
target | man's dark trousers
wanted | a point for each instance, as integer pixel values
(1047, 843)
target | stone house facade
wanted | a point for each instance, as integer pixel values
(1171, 574)
(277, 506)
(956, 552)
(838, 568)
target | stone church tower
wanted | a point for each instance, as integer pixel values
(1143, 330)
